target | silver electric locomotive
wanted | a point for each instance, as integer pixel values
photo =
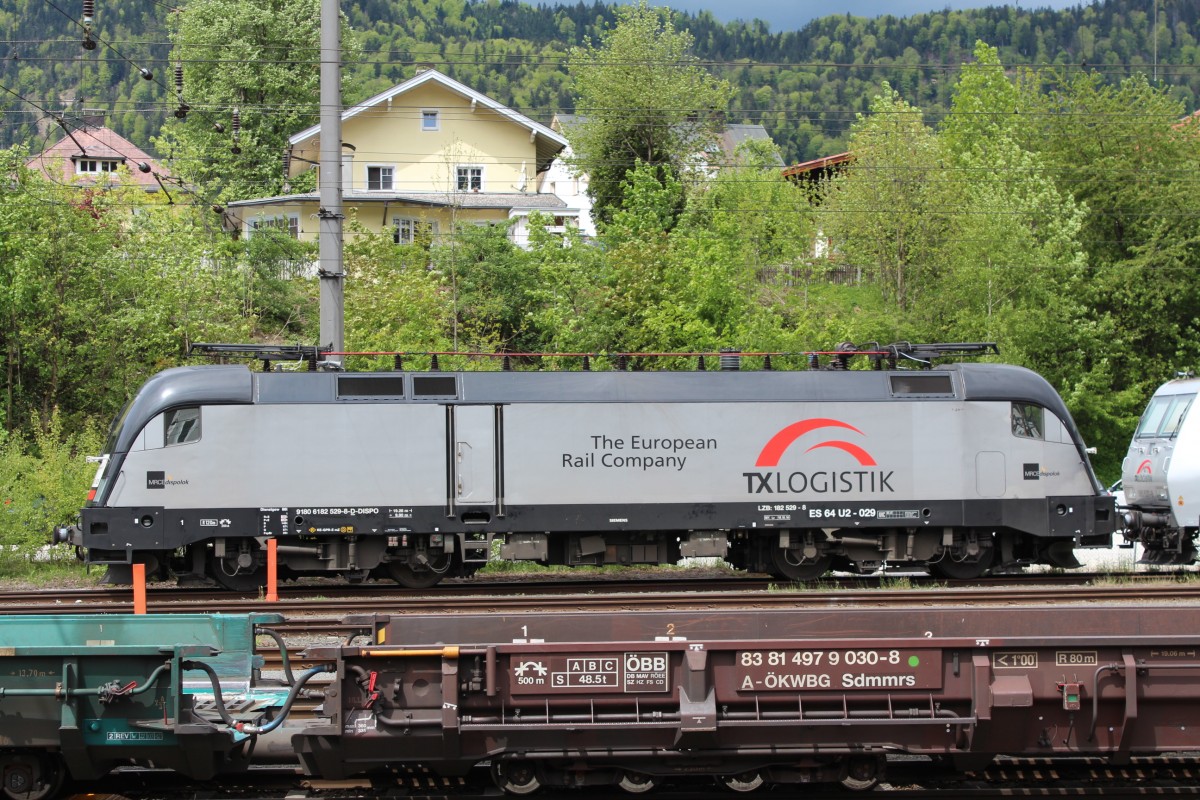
(964, 467)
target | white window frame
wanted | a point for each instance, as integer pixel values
(98, 166)
(391, 168)
(431, 115)
(404, 229)
(288, 222)
(465, 171)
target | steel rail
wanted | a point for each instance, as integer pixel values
(313, 603)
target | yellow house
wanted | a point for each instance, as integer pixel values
(426, 157)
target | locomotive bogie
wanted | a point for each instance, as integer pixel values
(413, 475)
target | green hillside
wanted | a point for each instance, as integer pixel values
(805, 86)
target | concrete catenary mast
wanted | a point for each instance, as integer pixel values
(330, 212)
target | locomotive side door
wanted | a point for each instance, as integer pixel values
(474, 455)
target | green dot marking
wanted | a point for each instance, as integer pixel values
(913, 661)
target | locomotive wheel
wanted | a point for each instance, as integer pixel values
(31, 777)
(789, 564)
(404, 574)
(745, 782)
(243, 580)
(516, 777)
(636, 782)
(953, 570)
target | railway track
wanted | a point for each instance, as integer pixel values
(341, 600)
(651, 588)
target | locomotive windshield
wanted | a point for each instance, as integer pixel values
(1027, 421)
(1164, 416)
(181, 426)
(110, 443)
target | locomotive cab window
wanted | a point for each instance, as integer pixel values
(1028, 421)
(1164, 416)
(181, 426)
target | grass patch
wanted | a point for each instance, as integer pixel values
(53, 569)
(796, 587)
(885, 584)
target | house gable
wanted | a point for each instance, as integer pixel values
(91, 153)
(429, 153)
(492, 153)
(471, 129)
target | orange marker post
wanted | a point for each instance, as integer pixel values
(272, 571)
(139, 588)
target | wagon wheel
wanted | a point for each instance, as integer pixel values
(636, 782)
(406, 575)
(516, 777)
(742, 782)
(863, 772)
(32, 777)
(792, 565)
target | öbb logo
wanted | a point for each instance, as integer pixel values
(870, 479)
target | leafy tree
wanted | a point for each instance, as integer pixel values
(570, 290)
(43, 480)
(50, 241)
(393, 301)
(257, 56)
(746, 242)
(1014, 241)
(644, 98)
(283, 301)
(889, 213)
(99, 287)
(640, 311)
(490, 283)
(1126, 153)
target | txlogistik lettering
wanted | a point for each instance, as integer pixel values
(846, 482)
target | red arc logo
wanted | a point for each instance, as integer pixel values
(781, 441)
(1144, 467)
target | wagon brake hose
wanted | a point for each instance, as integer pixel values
(107, 693)
(305, 677)
(283, 653)
(242, 727)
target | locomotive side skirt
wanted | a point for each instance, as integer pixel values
(122, 530)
